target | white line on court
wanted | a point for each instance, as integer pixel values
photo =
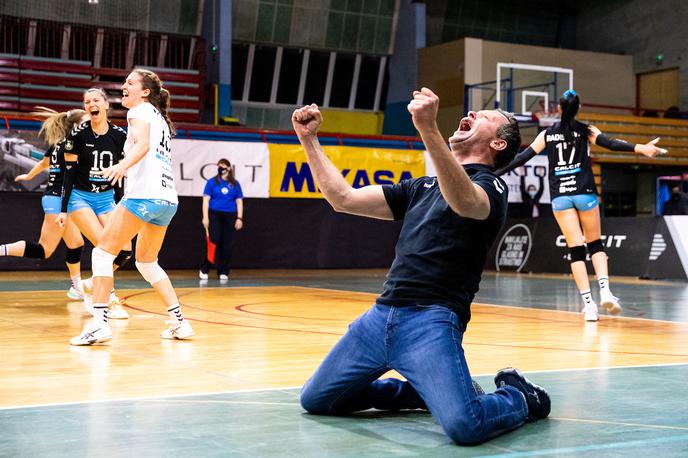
(151, 398)
(618, 423)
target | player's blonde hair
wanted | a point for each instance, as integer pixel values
(56, 124)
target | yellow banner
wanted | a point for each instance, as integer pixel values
(290, 174)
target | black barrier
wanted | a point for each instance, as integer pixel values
(528, 245)
(278, 233)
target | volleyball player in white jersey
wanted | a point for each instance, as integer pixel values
(149, 203)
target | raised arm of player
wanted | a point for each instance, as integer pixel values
(367, 201)
(463, 196)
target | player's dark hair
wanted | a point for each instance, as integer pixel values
(159, 97)
(510, 133)
(56, 124)
(570, 104)
(230, 175)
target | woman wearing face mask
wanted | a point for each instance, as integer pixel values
(531, 195)
(676, 205)
(574, 195)
(89, 198)
(223, 214)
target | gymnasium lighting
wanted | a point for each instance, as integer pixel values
(92, 2)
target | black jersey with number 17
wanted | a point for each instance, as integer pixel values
(95, 153)
(570, 169)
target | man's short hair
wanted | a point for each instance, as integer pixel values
(512, 135)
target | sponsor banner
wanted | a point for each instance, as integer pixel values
(291, 175)
(664, 259)
(635, 246)
(535, 177)
(514, 246)
(20, 151)
(195, 162)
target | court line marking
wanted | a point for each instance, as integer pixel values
(290, 389)
(619, 423)
(147, 290)
(617, 317)
(592, 447)
(248, 403)
(153, 398)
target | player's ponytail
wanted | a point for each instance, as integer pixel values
(165, 100)
(158, 96)
(56, 125)
(570, 104)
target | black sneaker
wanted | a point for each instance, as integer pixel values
(536, 397)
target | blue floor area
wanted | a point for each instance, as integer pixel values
(624, 412)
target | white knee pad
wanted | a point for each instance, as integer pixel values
(101, 263)
(151, 271)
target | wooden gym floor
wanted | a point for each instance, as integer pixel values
(616, 385)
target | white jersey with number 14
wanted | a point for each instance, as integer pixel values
(151, 177)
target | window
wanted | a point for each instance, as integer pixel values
(239, 60)
(82, 43)
(114, 49)
(367, 82)
(48, 39)
(316, 78)
(341, 80)
(289, 76)
(261, 75)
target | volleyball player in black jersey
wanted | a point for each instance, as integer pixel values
(53, 130)
(88, 198)
(574, 195)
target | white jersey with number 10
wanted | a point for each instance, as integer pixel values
(151, 177)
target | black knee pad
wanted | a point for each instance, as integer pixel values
(577, 253)
(595, 247)
(74, 255)
(122, 258)
(34, 251)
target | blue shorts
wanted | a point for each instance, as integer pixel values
(99, 202)
(580, 202)
(154, 211)
(52, 205)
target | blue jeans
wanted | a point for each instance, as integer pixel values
(424, 345)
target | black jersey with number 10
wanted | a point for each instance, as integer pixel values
(570, 169)
(96, 153)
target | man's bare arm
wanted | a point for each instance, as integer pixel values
(367, 201)
(463, 196)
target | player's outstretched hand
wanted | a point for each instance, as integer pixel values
(423, 108)
(651, 149)
(307, 120)
(22, 177)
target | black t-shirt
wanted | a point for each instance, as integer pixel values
(96, 153)
(570, 170)
(440, 255)
(56, 170)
